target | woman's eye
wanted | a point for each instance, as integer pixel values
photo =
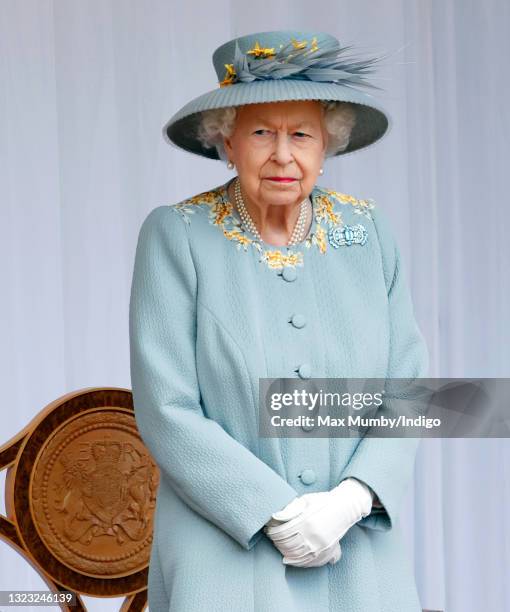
(264, 132)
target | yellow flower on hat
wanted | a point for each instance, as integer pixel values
(299, 45)
(259, 51)
(229, 76)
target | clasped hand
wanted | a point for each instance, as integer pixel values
(308, 530)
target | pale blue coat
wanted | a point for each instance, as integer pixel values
(210, 313)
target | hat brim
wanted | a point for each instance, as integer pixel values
(372, 121)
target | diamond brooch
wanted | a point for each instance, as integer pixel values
(347, 235)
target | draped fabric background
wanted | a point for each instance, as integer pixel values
(85, 88)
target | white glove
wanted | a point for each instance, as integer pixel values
(315, 522)
(331, 554)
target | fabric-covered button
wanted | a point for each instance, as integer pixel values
(304, 370)
(289, 274)
(308, 477)
(298, 320)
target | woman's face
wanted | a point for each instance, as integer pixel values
(278, 139)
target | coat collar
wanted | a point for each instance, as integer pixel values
(326, 221)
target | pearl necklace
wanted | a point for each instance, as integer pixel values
(297, 233)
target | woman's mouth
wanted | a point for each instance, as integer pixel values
(281, 179)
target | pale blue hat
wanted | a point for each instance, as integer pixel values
(284, 65)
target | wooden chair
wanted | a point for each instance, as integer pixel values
(80, 495)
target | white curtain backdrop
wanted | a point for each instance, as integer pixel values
(85, 88)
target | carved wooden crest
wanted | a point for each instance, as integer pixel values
(80, 496)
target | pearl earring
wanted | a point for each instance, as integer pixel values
(321, 171)
(230, 165)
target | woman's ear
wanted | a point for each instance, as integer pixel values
(228, 147)
(325, 140)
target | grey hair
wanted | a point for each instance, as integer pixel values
(339, 120)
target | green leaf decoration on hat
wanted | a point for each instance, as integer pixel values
(296, 60)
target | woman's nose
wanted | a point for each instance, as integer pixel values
(283, 153)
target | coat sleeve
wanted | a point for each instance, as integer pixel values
(386, 465)
(215, 475)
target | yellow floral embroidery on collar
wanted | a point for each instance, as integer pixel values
(324, 210)
(318, 238)
(360, 207)
(278, 260)
(326, 215)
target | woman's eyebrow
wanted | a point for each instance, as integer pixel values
(304, 123)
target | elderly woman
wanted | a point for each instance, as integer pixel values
(272, 276)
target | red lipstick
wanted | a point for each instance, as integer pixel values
(281, 179)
